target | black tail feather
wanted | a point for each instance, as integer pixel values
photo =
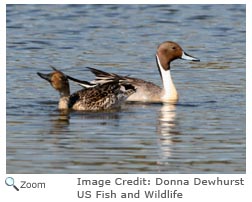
(54, 68)
(101, 75)
(85, 83)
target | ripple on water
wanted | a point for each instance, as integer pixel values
(203, 133)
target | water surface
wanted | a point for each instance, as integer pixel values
(203, 133)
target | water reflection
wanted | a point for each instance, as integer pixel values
(63, 118)
(60, 122)
(183, 138)
(165, 128)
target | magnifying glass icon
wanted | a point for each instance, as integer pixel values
(9, 181)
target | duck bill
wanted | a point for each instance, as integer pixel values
(45, 76)
(186, 56)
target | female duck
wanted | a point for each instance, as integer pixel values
(109, 95)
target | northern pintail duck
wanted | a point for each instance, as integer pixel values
(147, 91)
(104, 96)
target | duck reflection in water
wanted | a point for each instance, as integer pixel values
(166, 129)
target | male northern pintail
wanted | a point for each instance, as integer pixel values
(104, 96)
(147, 91)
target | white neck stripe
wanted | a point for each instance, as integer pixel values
(166, 78)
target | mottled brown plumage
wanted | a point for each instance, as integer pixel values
(104, 96)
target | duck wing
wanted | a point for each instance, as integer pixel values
(102, 96)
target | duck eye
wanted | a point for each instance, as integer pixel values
(174, 48)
